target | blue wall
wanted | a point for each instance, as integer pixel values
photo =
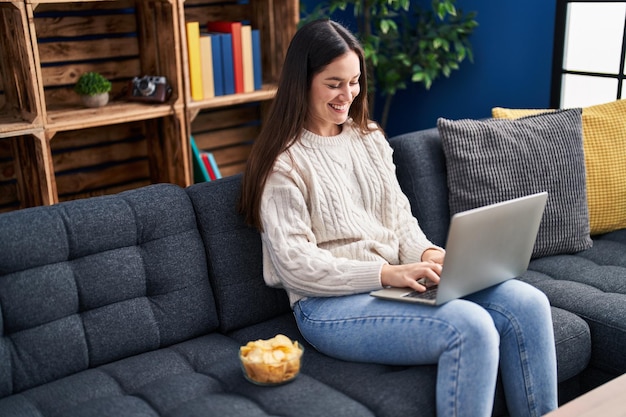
(512, 67)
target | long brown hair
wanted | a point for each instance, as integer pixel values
(313, 47)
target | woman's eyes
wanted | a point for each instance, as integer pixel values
(352, 83)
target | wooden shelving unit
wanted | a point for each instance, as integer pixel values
(24, 158)
(53, 149)
(226, 125)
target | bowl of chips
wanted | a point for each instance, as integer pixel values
(271, 361)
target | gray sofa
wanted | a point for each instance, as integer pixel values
(136, 304)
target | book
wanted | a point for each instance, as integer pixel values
(218, 72)
(206, 66)
(207, 164)
(246, 58)
(227, 64)
(214, 166)
(234, 29)
(200, 173)
(193, 55)
(256, 59)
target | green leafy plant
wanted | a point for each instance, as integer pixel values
(92, 83)
(405, 42)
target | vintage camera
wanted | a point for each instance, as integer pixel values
(149, 88)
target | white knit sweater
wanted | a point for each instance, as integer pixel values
(333, 214)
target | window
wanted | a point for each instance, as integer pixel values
(589, 53)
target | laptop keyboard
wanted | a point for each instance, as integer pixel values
(429, 294)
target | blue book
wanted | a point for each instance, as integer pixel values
(218, 71)
(256, 59)
(200, 173)
(228, 70)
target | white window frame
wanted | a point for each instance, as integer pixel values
(567, 83)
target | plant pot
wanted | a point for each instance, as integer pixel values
(97, 100)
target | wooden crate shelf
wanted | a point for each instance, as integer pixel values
(20, 106)
(54, 149)
(105, 159)
(119, 39)
(227, 125)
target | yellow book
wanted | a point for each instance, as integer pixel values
(193, 54)
(206, 66)
(246, 52)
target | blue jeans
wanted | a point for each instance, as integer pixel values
(508, 325)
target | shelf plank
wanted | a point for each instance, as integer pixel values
(67, 75)
(60, 52)
(266, 93)
(10, 127)
(112, 113)
(73, 26)
(106, 190)
(224, 118)
(86, 5)
(214, 12)
(112, 175)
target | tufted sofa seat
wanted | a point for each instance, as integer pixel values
(591, 284)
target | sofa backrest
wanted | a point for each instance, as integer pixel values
(235, 257)
(421, 171)
(90, 281)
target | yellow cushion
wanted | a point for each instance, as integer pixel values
(604, 143)
(502, 113)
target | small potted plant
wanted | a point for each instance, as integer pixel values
(93, 89)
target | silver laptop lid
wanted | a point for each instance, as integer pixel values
(490, 244)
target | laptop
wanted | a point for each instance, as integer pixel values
(485, 246)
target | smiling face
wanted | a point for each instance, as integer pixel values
(331, 94)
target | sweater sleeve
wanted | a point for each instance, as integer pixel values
(292, 258)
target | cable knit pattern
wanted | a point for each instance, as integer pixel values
(333, 214)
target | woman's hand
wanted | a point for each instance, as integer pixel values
(433, 255)
(406, 276)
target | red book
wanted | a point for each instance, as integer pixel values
(207, 164)
(234, 28)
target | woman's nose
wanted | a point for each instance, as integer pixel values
(346, 93)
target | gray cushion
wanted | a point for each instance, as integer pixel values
(90, 281)
(421, 171)
(235, 257)
(494, 160)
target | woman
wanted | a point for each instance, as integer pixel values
(320, 185)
